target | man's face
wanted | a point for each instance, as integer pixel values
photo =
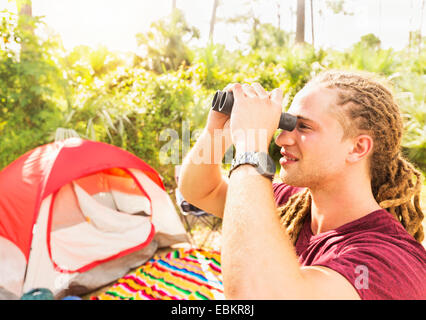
(314, 153)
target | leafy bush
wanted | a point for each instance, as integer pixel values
(28, 77)
(411, 98)
(165, 44)
(138, 102)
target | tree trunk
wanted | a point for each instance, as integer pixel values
(256, 23)
(25, 7)
(421, 26)
(410, 25)
(300, 26)
(278, 16)
(213, 19)
(312, 23)
(25, 14)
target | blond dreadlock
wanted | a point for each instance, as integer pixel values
(371, 108)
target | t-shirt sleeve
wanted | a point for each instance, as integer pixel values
(379, 270)
(282, 192)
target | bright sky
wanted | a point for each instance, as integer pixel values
(114, 23)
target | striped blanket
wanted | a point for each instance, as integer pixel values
(183, 274)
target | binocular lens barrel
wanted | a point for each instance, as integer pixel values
(223, 101)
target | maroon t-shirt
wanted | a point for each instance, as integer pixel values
(375, 253)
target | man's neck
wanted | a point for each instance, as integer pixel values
(334, 206)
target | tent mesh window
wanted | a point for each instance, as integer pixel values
(96, 217)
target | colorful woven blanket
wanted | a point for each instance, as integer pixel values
(183, 274)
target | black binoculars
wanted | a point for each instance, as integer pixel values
(223, 101)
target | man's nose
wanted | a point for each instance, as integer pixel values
(285, 138)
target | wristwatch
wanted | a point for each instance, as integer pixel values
(263, 163)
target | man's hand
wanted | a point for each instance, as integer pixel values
(255, 117)
(217, 121)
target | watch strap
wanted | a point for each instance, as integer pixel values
(259, 160)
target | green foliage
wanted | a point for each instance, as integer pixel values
(165, 106)
(266, 36)
(338, 6)
(411, 98)
(165, 43)
(134, 102)
(211, 67)
(28, 75)
(370, 41)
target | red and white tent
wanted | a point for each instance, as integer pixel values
(78, 214)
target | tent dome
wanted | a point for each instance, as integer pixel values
(79, 204)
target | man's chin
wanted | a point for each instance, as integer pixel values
(287, 180)
(292, 180)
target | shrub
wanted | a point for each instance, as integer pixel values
(28, 77)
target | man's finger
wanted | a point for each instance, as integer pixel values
(249, 90)
(237, 90)
(277, 96)
(259, 90)
(229, 87)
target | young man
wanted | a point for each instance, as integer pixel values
(341, 167)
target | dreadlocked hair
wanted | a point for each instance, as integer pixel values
(369, 107)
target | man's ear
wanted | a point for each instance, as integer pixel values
(361, 148)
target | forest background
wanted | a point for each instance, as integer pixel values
(129, 99)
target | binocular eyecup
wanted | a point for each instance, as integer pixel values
(223, 101)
